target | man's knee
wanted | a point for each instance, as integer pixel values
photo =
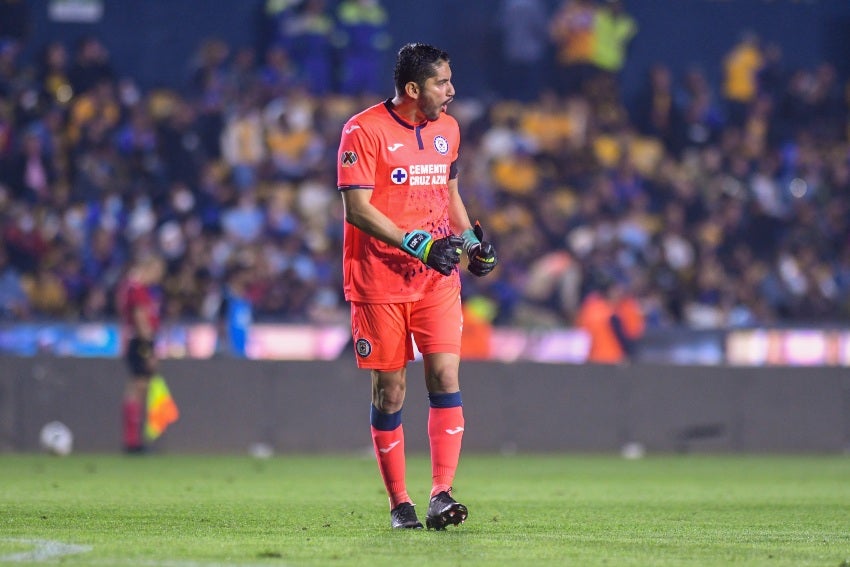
(388, 390)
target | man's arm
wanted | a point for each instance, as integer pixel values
(441, 254)
(481, 253)
(458, 217)
(360, 212)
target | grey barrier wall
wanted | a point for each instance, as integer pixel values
(313, 407)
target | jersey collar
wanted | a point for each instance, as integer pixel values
(388, 104)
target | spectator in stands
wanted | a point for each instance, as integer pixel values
(572, 30)
(523, 32)
(772, 74)
(91, 65)
(103, 251)
(95, 304)
(10, 72)
(612, 318)
(137, 142)
(656, 111)
(311, 39)
(236, 313)
(93, 115)
(179, 142)
(295, 148)
(277, 19)
(701, 112)
(244, 222)
(364, 43)
(53, 74)
(14, 303)
(587, 178)
(7, 134)
(243, 72)
(242, 143)
(278, 74)
(741, 68)
(26, 245)
(613, 29)
(32, 174)
(830, 104)
(208, 86)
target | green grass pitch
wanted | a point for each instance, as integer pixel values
(197, 511)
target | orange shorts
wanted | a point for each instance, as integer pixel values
(384, 332)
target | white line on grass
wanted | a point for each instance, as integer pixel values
(43, 549)
(180, 563)
(176, 563)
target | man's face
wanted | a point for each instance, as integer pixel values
(437, 93)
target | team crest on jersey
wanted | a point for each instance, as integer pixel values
(441, 145)
(348, 158)
(398, 176)
(364, 348)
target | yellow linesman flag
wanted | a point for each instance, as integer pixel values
(162, 410)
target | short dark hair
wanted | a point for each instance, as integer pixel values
(417, 62)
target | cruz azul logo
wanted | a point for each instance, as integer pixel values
(364, 347)
(421, 174)
(398, 176)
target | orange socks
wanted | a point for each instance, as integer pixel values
(445, 430)
(388, 440)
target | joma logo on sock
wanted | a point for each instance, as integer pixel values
(389, 447)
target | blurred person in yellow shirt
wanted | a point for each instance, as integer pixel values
(572, 33)
(613, 30)
(740, 82)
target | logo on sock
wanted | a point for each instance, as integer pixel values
(454, 431)
(389, 447)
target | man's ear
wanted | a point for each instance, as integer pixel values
(412, 89)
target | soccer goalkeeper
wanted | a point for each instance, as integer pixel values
(406, 228)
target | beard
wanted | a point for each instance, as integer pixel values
(432, 110)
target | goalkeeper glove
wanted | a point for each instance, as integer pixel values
(441, 254)
(482, 254)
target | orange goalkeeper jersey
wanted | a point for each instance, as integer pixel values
(408, 167)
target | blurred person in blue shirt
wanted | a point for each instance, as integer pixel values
(14, 303)
(365, 40)
(523, 25)
(311, 33)
(236, 313)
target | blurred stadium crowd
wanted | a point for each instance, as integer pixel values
(716, 205)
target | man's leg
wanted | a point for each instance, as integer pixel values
(133, 412)
(383, 345)
(388, 433)
(445, 432)
(445, 418)
(142, 366)
(437, 324)
(388, 390)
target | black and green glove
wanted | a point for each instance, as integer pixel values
(481, 253)
(441, 254)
